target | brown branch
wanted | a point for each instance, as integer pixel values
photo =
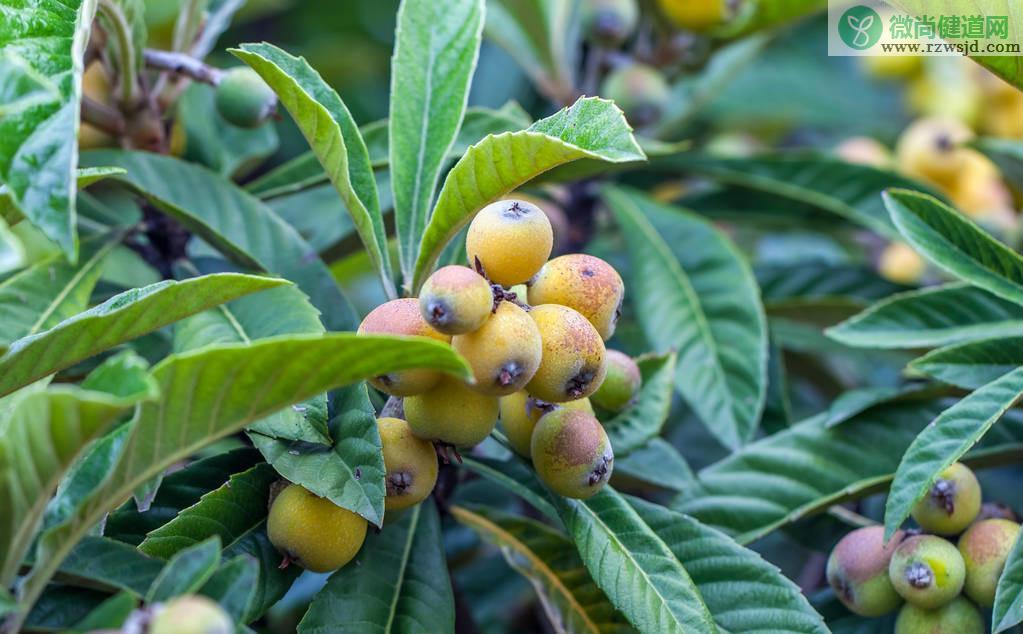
(102, 116)
(182, 64)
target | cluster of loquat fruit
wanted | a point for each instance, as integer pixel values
(536, 366)
(938, 582)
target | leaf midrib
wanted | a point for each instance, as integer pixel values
(393, 609)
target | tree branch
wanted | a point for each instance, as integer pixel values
(108, 119)
(182, 64)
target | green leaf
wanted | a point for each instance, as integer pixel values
(233, 586)
(801, 280)
(110, 614)
(656, 463)
(935, 316)
(224, 389)
(1007, 155)
(334, 138)
(46, 293)
(803, 470)
(187, 571)
(237, 507)
(400, 583)
(956, 244)
(695, 293)
(112, 564)
(351, 472)
(942, 442)
(643, 420)
(1008, 608)
(9, 211)
(591, 128)
(37, 154)
(974, 364)
(743, 592)
(119, 319)
(854, 402)
(761, 15)
(849, 191)
(515, 476)
(548, 559)
(234, 222)
(633, 565)
(434, 58)
(40, 438)
(542, 36)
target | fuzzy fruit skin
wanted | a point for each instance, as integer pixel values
(511, 239)
(504, 353)
(520, 413)
(191, 614)
(958, 617)
(952, 503)
(402, 317)
(571, 453)
(316, 533)
(858, 571)
(411, 464)
(574, 362)
(588, 284)
(609, 22)
(456, 300)
(929, 149)
(639, 90)
(453, 413)
(927, 571)
(985, 547)
(621, 385)
(243, 98)
(899, 263)
(696, 15)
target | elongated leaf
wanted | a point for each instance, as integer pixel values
(119, 319)
(547, 558)
(854, 402)
(957, 244)
(743, 592)
(1008, 608)
(852, 192)
(974, 364)
(802, 280)
(434, 58)
(38, 155)
(224, 389)
(401, 583)
(656, 463)
(935, 316)
(351, 472)
(228, 512)
(591, 128)
(187, 571)
(113, 564)
(642, 421)
(334, 138)
(9, 211)
(765, 14)
(235, 222)
(942, 442)
(633, 565)
(39, 440)
(110, 614)
(39, 297)
(695, 293)
(233, 586)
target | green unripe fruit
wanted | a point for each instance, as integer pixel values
(520, 413)
(411, 464)
(640, 91)
(243, 98)
(573, 363)
(858, 571)
(190, 614)
(587, 284)
(621, 385)
(402, 317)
(985, 547)
(927, 571)
(511, 240)
(951, 504)
(504, 353)
(571, 453)
(609, 22)
(456, 300)
(312, 531)
(958, 617)
(453, 413)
